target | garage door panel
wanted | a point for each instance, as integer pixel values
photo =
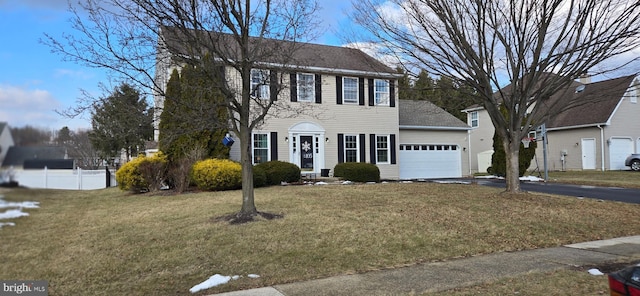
(619, 149)
(427, 161)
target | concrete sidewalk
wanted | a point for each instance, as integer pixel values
(441, 276)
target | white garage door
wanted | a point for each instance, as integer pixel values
(619, 149)
(429, 161)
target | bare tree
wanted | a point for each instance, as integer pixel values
(126, 36)
(538, 46)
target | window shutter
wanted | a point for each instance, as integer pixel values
(363, 149)
(273, 85)
(361, 91)
(392, 93)
(372, 149)
(274, 146)
(293, 79)
(318, 81)
(340, 148)
(392, 147)
(371, 94)
(338, 90)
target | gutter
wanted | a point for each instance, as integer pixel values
(601, 145)
(577, 126)
(441, 128)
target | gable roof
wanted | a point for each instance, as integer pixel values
(278, 53)
(16, 155)
(426, 115)
(608, 93)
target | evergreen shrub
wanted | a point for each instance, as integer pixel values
(142, 173)
(279, 171)
(357, 172)
(217, 174)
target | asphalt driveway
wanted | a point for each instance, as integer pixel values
(605, 193)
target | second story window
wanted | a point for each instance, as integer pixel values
(350, 90)
(381, 92)
(260, 83)
(473, 119)
(306, 87)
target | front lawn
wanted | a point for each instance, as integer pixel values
(108, 242)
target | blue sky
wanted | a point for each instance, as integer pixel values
(35, 82)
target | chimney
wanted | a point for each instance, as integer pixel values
(585, 78)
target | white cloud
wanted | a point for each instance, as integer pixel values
(22, 106)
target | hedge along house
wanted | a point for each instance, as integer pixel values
(332, 105)
(596, 135)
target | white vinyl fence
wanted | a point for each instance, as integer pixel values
(77, 179)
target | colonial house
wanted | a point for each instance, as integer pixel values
(349, 112)
(592, 136)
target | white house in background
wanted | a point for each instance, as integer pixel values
(6, 140)
(354, 116)
(593, 136)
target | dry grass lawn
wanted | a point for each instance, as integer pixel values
(108, 242)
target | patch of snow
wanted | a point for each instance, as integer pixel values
(531, 178)
(216, 280)
(595, 271)
(406, 182)
(13, 214)
(24, 204)
(451, 182)
(321, 183)
(7, 224)
(486, 177)
(347, 182)
(371, 182)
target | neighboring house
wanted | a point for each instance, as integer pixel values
(37, 157)
(6, 140)
(353, 116)
(588, 137)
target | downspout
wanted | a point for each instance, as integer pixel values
(601, 146)
(469, 151)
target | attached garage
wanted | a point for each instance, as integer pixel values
(429, 161)
(619, 149)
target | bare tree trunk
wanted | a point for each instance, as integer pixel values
(512, 155)
(248, 209)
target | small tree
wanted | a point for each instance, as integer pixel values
(79, 147)
(121, 122)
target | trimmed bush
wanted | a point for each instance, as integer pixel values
(357, 172)
(280, 171)
(259, 177)
(142, 173)
(217, 174)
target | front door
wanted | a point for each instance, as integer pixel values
(306, 153)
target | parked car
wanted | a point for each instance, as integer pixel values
(625, 282)
(633, 161)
